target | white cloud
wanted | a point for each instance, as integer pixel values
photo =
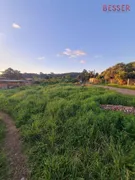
(82, 61)
(16, 26)
(72, 53)
(41, 58)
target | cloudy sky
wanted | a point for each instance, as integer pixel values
(65, 35)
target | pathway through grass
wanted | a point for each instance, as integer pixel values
(12, 146)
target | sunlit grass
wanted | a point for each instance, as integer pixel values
(69, 137)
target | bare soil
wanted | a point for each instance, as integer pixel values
(120, 90)
(125, 109)
(13, 150)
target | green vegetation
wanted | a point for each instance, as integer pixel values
(41, 77)
(69, 137)
(3, 160)
(119, 74)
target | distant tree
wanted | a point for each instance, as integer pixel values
(68, 78)
(41, 75)
(120, 73)
(131, 75)
(96, 75)
(91, 74)
(12, 74)
(84, 76)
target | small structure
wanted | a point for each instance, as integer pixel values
(28, 81)
(2, 78)
(9, 84)
(94, 81)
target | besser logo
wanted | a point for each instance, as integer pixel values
(115, 8)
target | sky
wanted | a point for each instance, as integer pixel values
(65, 35)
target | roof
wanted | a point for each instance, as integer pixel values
(2, 78)
(29, 79)
(12, 80)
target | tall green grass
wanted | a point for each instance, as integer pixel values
(3, 160)
(69, 137)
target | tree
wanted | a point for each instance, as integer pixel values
(119, 73)
(96, 75)
(84, 76)
(11, 74)
(41, 75)
(92, 74)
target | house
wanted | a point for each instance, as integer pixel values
(8, 84)
(2, 78)
(29, 81)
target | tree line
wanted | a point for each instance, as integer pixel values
(118, 73)
(80, 76)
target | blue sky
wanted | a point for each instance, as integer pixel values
(65, 35)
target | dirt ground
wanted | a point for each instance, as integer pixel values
(120, 90)
(125, 109)
(13, 149)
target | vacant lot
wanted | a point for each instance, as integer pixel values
(67, 135)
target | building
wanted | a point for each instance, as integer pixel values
(9, 84)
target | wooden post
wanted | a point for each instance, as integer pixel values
(128, 82)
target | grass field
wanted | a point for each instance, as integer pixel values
(3, 159)
(69, 137)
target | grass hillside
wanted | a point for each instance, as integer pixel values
(68, 137)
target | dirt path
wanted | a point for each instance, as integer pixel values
(13, 149)
(120, 90)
